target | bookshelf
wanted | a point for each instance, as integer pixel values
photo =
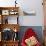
(9, 22)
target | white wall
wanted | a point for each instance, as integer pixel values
(6, 3)
(27, 5)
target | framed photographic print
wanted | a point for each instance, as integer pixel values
(5, 12)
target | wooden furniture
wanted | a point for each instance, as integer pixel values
(10, 43)
(5, 23)
(44, 8)
(44, 35)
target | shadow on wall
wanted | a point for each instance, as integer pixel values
(37, 29)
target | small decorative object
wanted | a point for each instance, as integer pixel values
(13, 12)
(15, 37)
(15, 30)
(29, 12)
(15, 3)
(5, 12)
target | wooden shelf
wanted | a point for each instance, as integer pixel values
(9, 26)
(9, 8)
(9, 43)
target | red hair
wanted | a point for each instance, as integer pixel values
(29, 33)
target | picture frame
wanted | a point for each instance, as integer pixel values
(5, 12)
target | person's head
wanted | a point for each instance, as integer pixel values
(29, 33)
